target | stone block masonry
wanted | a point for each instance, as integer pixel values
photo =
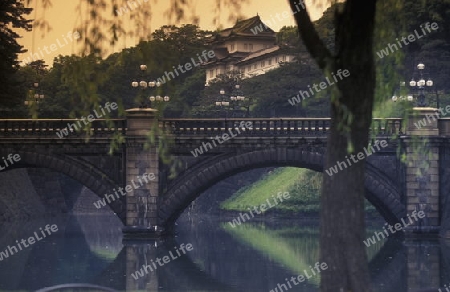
(134, 185)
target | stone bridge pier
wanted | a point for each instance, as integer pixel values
(422, 148)
(142, 176)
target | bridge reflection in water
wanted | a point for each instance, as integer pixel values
(251, 257)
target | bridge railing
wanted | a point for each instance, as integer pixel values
(248, 127)
(193, 127)
(50, 127)
(388, 127)
(269, 126)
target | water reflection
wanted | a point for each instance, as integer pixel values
(250, 257)
(67, 256)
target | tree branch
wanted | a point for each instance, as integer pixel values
(308, 33)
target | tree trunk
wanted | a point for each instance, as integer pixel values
(342, 214)
(342, 201)
(342, 226)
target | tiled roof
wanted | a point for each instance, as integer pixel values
(222, 55)
(244, 28)
(260, 53)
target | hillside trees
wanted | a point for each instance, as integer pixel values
(13, 16)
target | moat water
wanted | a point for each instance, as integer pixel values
(254, 256)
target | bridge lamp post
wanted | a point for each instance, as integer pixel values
(235, 99)
(421, 86)
(409, 97)
(222, 103)
(238, 98)
(143, 85)
(34, 96)
(158, 98)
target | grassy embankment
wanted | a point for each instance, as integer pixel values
(303, 186)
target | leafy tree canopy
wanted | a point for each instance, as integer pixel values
(13, 15)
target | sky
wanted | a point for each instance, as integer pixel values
(63, 19)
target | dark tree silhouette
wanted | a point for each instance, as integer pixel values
(12, 17)
(342, 199)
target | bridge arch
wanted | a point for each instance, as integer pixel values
(380, 191)
(83, 172)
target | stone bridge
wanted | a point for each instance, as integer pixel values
(113, 159)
